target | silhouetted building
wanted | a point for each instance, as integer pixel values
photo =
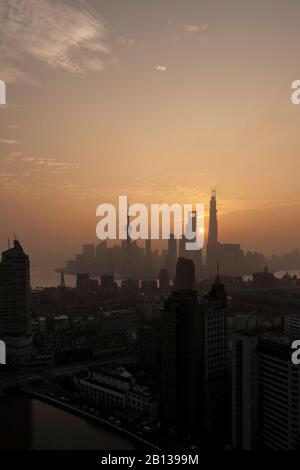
(253, 262)
(244, 391)
(15, 291)
(164, 280)
(117, 389)
(213, 222)
(292, 325)
(193, 362)
(130, 286)
(265, 393)
(117, 321)
(264, 279)
(212, 242)
(185, 274)
(172, 255)
(231, 258)
(15, 324)
(62, 281)
(194, 255)
(149, 286)
(61, 323)
(182, 250)
(149, 346)
(107, 282)
(102, 258)
(89, 251)
(83, 283)
(278, 395)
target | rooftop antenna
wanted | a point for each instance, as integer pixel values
(8, 243)
(214, 190)
(62, 280)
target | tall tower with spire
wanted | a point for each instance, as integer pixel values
(213, 221)
(212, 252)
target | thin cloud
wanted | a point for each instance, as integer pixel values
(9, 141)
(67, 36)
(124, 41)
(194, 28)
(161, 68)
(20, 160)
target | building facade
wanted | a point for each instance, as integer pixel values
(193, 360)
(15, 323)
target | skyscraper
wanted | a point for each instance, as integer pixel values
(213, 222)
(149, 345)
(278, 395)
(266, 386)
(83, 284)
(62, 280)
(212, 251)
(14, 291)
(185, 274)
(15, 325)
(194, 255)
(171, 259)
(193, 360)
(244, 391)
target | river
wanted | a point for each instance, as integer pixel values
(27, 423)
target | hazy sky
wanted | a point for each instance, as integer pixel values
(160, 100)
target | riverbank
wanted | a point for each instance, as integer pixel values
(90, 416)
(32, 424)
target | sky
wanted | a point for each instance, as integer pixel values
(158, 100)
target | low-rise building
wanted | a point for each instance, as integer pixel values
(117, 389)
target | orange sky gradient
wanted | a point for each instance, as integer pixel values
(159, 101)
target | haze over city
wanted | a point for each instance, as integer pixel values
(150, 234)
(160, 101)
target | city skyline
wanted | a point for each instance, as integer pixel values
(148, 257)
(161, 361)
(161, 108)
(150, 228)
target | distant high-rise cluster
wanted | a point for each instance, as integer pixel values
(233, 261)
(129, 259)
